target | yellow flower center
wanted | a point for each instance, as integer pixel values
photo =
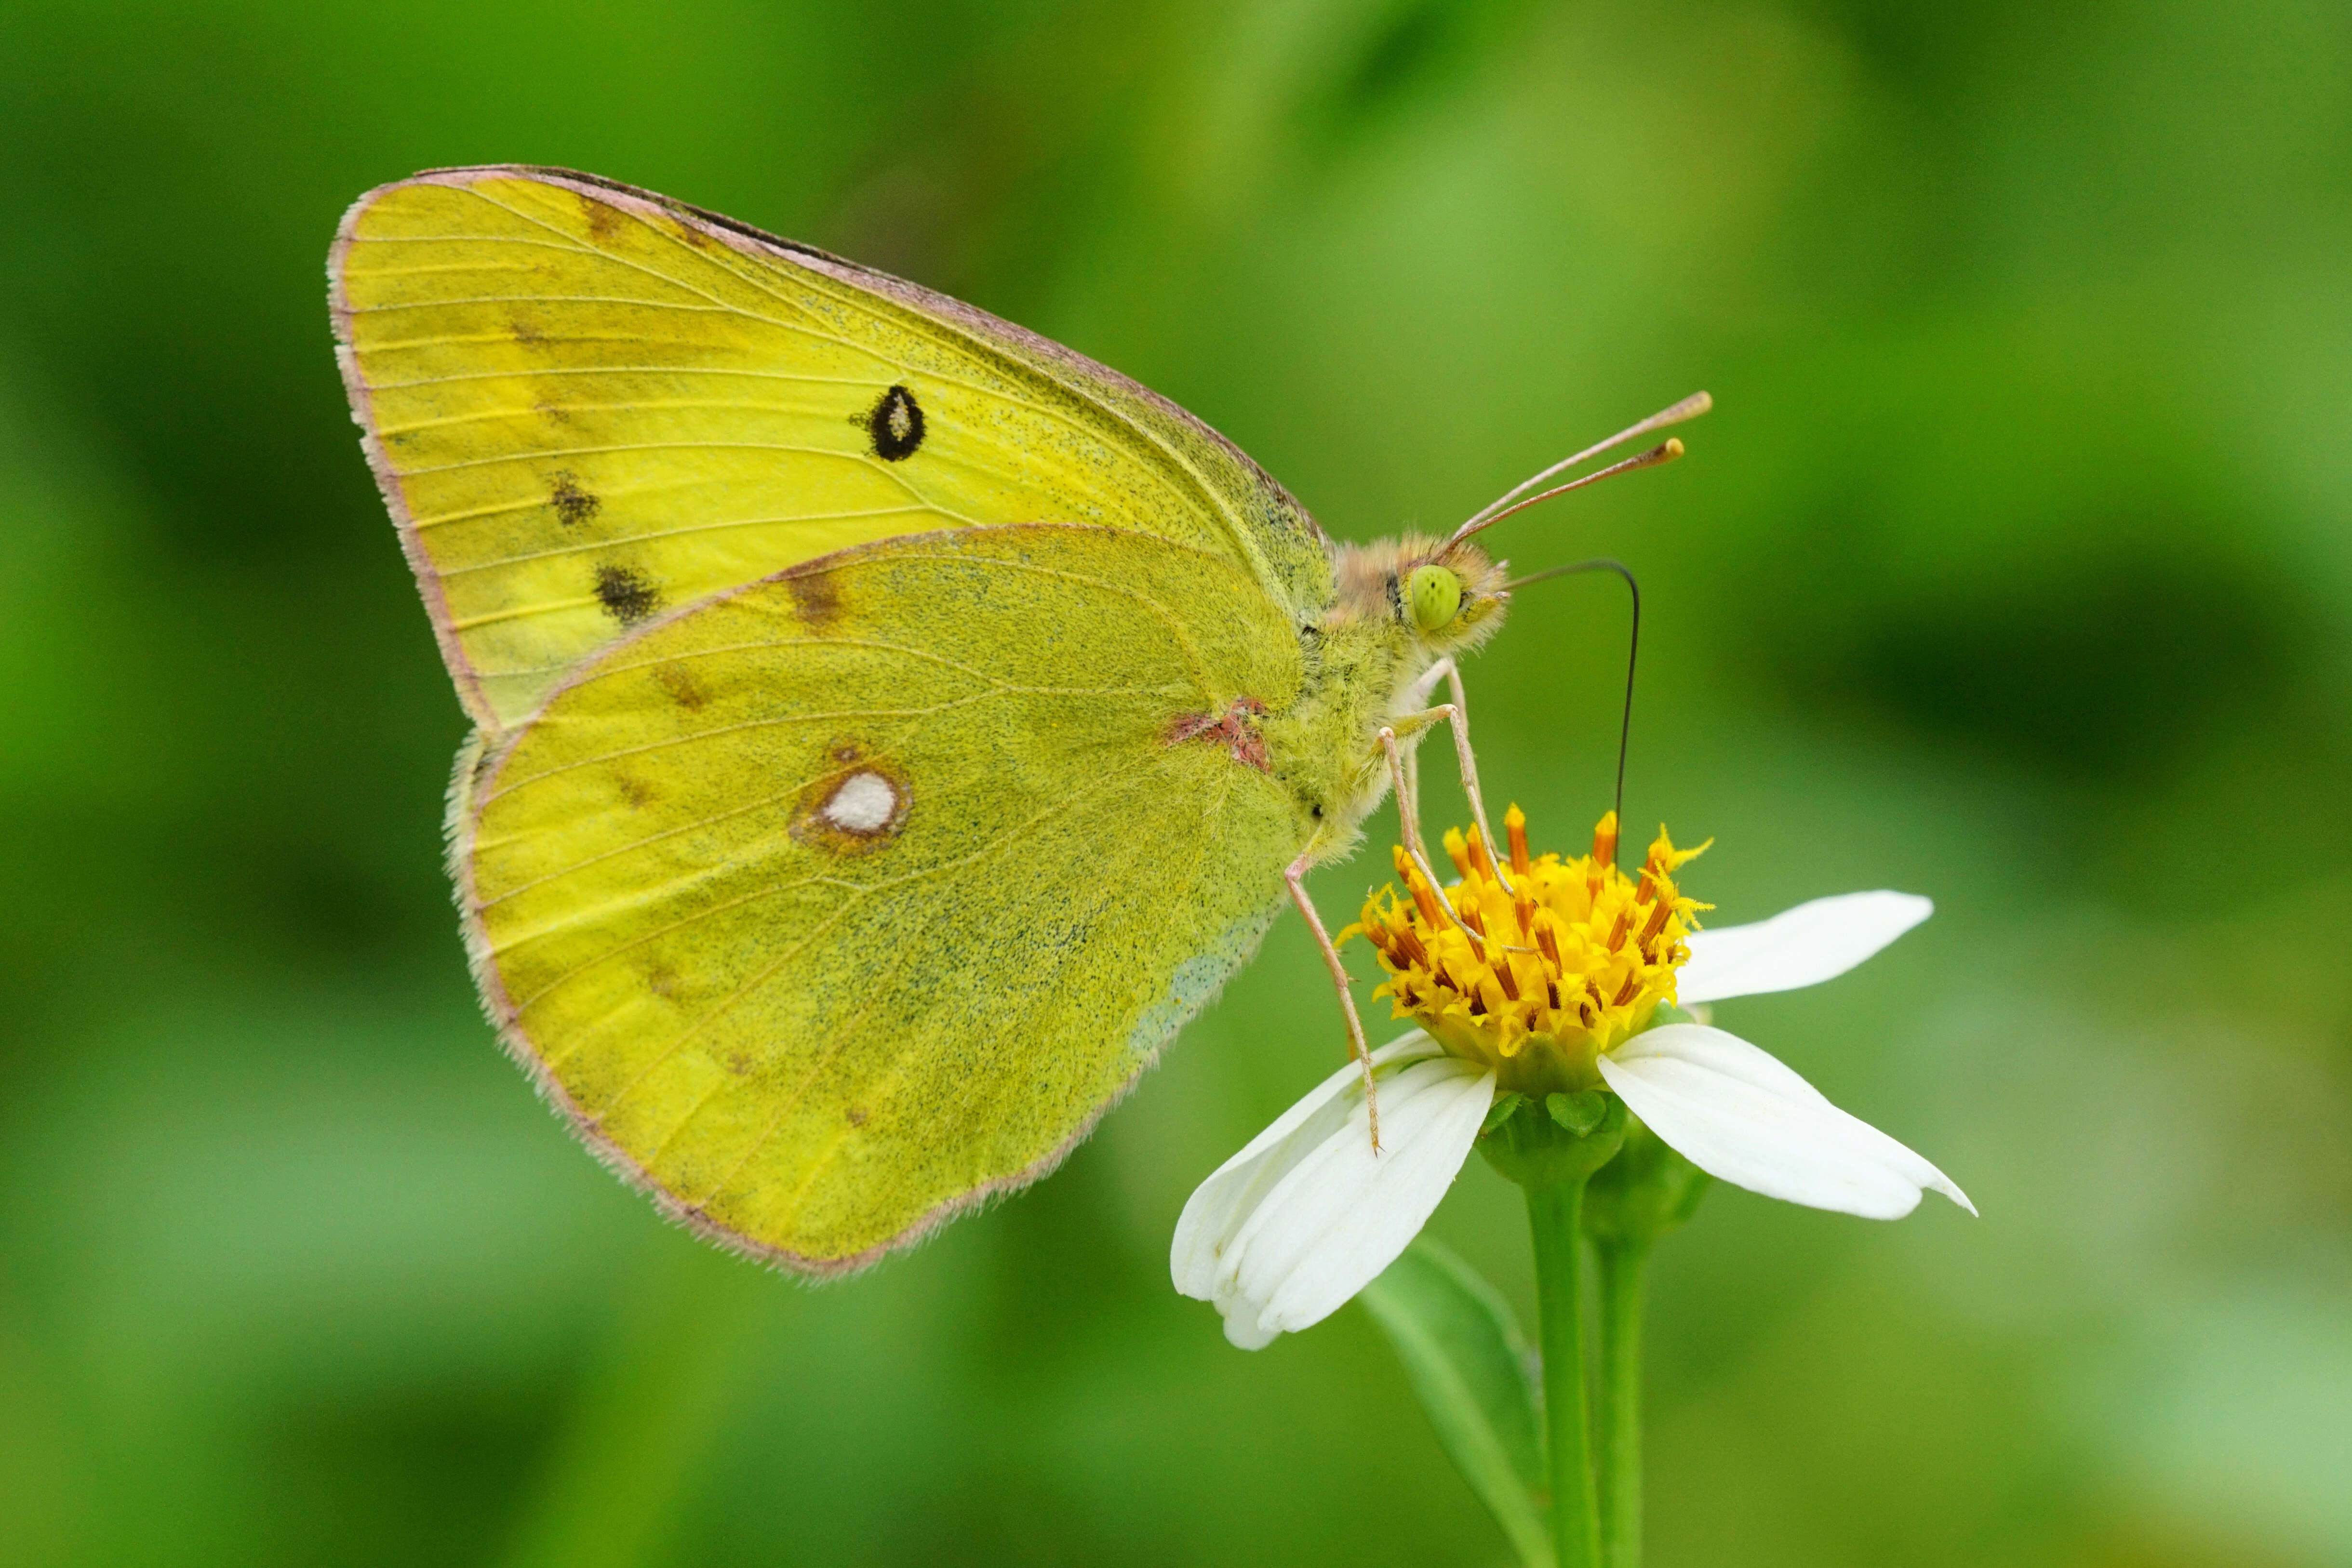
(1536, 972)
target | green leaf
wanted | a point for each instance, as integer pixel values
(1471, 1370)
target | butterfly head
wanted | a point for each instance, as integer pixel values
(1453, 597)
(1438, 595)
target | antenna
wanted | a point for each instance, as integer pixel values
(1667, 451)
(1632, 651)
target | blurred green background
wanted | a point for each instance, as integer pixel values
(2013, 569)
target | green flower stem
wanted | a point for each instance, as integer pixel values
(1645, 1192)
(1555, 1215)
(1552, 1150)
(1622, 1266)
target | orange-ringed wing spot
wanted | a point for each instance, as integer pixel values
(858, 808)
(627, 594)
(895, 425)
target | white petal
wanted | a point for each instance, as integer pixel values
(1291, 1228)
(1801, 946)
(1219, 1205)
(1737, 1112)
(1345, 1213)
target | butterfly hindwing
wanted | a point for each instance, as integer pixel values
(834, 903)
(588, 406)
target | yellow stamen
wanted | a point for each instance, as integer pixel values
(1540, 979)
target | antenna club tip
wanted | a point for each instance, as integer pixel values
(1673, 448)
(1700, 402)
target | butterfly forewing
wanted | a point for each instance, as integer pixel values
(588, 407)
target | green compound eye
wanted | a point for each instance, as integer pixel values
(1434, 595)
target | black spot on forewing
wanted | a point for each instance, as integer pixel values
(627, 594)
(572, 505)
(895, 425)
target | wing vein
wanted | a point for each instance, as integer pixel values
(674, 533)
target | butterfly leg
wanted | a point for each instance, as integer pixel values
(1404, 782)
(1418, 692)
(1452, 716)
(1414, 697)
(1467, 759)
(1407, 776)
(1456, 716)
(1296, 876)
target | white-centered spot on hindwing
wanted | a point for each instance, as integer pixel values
(863, 803)
(857, 810)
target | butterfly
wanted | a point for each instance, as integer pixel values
(890, 726)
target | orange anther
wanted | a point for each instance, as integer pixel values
(1657, 921)
(1514, 825)
(1424, 897)
(1478, 855)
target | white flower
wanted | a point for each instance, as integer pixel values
(1296, 1224)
